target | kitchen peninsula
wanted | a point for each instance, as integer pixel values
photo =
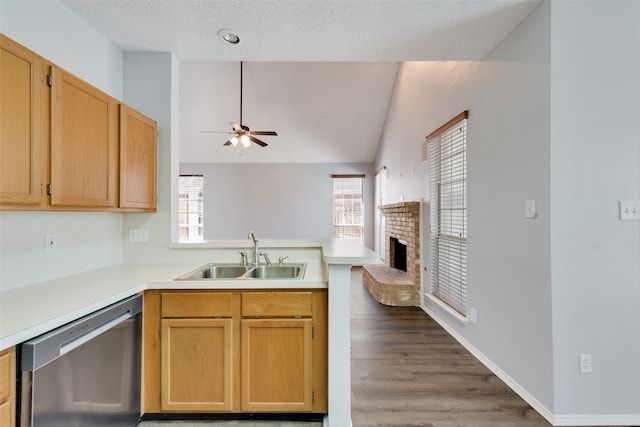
(29, 311)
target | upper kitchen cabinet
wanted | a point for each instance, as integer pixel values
(65, 145)
(138, 160)
(22, 131)
(84, 144)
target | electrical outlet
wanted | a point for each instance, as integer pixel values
(585, 364)
(630, 210)
(139, 235)
(473, 315)
(50, 242)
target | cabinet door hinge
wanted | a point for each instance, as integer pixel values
(313, 331)
(41, 187)
(50, 80)
(49, 189)
(313, 396)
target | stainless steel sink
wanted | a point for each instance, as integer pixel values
(215, 271)
(218, 271)
(274, 272)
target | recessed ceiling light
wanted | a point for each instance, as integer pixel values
(229, 36)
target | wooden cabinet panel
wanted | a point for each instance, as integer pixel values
(197, 364)
(60, 133)
(84, 144)
(21, 133)
(277, 304)
(138, 160)
(7, 387)
(197, 304)
(276, 365)
(5, 414)
(216, 356)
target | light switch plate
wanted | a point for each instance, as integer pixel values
(630, 210)
(530, 209)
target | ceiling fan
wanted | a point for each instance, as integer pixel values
(241, 133)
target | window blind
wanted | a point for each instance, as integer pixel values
(347, 207)
(380, 192)
(448, 194)
(190, 208)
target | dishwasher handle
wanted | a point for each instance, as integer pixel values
(77, 342)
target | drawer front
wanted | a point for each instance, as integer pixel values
(277, 304)
(197, 304)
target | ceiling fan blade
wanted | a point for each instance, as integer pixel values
(257, 141)
(236, 127)
(227, 143)
(264, 132)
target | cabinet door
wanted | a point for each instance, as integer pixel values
(21, 125)
(138, 160)
(197, 371)
(84, 144)
(7, 387)
(276, 365)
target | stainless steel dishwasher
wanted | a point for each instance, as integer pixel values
(85, 373)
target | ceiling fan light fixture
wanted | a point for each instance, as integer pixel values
(246, 142)
(229, 36)
(234, 141)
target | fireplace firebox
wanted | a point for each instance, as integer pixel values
(398, 254)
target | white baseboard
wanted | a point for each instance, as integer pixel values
(535, 404)
(597, 420)
(555, 420)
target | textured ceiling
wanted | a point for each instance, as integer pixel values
(320, 73)
(308, 30)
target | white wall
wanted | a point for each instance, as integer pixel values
(150, 85)
(85, 241)
(595, 162)
(553, 117)
(508, 277)
(276, 201)
(56, 33)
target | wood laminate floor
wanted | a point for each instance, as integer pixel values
(406, 370)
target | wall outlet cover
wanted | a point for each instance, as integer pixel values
(629, 210)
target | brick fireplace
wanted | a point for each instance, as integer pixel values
(397, 282)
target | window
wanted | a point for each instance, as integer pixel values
(348, 220)
(381, 183)
(448, 193)
(190, 208)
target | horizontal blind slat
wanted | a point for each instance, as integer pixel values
(447, 161)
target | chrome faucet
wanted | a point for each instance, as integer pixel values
(254, 260)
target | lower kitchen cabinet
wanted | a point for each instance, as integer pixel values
(276, 365)
(7, 387)
(235, 351)
(197, 364)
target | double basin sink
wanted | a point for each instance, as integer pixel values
(218, 271)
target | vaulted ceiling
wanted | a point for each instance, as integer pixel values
(320, 73)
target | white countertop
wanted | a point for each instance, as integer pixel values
(348, 252)
(29, 311)
(32, 310)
